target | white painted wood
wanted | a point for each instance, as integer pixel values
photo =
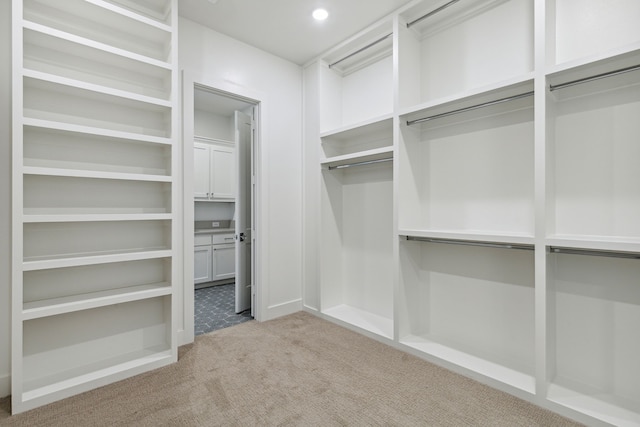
(492, 38)
(361, 87)
(201, 171)
(552, 169)
(592, 28)
(224, 263)
(223, 172)
(95, 195)
(203, 267)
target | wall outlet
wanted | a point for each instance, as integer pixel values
(215, 224)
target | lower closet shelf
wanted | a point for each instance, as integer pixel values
(91, 376)
(363, 319)
(473, 363)
(597, 405)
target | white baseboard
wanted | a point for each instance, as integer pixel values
(5, 385)
(283, 309)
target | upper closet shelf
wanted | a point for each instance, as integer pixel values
(92, 259)
(377, 124)
(158, 10)
(363, 157)
(96, 88)
(606, 71)
(83, 41)
(90, 130)
(500, 95)
(34, 170)
(104, 23)
(133, 14)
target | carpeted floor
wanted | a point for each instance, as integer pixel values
(297, 370)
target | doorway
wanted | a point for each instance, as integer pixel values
(221, 186)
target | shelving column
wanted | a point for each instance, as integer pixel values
(95, 194)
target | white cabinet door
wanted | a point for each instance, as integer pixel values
(203, 268)
(201, 167)
(224, 262)
(223, 175)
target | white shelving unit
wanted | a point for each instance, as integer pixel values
(504, 240)
(95, 194)
(357, 80)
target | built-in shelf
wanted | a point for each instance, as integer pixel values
(363, 319)
(34, 170)
(104, 23)
(55, 306)
(42, 263)
(361, 157)
(476, 365)
(86, 377)
(97, 131)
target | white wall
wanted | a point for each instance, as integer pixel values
(207, 53)
(5, 194)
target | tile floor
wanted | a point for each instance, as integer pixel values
(215, 309)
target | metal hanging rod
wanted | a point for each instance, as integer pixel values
(433, 12)
(368, 162)
(465, 109)
(592, 78)
(472, 243)
(594, 252)
(362, 49)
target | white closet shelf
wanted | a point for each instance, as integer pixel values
(159, 13)
(39, 391)
(471, 236)
(43, 263)
(597, 405)
(363, 319)
(77, 173)
(620, 57)
(360, 157)
(382, 123)
(32, 217)
(472, 98)
(620, 68)
(101, 20)
(77, 84)
(96, 45)
(131, 14)
(450, 356)
(603, 243)
(55, 306)
(90, 130)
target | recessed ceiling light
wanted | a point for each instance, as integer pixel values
(320, 14)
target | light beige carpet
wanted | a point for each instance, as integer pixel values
(298, 370)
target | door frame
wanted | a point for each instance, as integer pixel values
(185, 290)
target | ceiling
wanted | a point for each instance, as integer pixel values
(285, 28)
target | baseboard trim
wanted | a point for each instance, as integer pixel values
(283, 309)
(5, 385)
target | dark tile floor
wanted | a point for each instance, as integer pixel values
(215, 309)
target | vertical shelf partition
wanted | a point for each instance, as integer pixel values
(95, 194)
(507, 229)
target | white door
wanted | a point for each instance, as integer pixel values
(243, 211)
